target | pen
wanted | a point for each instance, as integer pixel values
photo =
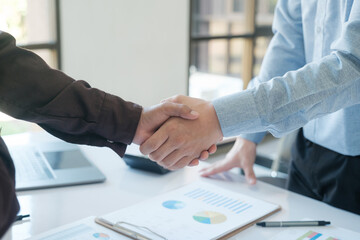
(21, 217)
(293, 223)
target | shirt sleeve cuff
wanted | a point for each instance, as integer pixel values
(237, 114)
(119, 119)
(254, 137)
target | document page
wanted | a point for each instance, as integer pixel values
(80, 230)
(318, 233)
(196, 211)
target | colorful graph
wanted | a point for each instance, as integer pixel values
(173, 204)
(208, 217)
(311, 235)
(101, 236)
(235, 205)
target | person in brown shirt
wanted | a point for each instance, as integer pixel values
(71, 110)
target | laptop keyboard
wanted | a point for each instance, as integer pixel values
(30, 165)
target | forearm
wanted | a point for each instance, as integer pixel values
(288, 43)
(69, 109)
(289, 102)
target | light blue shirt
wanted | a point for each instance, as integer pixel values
(310, 77)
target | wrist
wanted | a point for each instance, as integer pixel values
(139, 137)
(216, 124)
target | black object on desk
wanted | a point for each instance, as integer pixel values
(135, 159)
(144, 163)
(21, 217)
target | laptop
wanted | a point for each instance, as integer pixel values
(52, 164)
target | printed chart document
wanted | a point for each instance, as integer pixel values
(196, 211)
(80, 230)
(318, 233)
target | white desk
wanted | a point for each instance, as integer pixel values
(51, 208)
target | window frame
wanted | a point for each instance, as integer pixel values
(52, 45)
(254, 31)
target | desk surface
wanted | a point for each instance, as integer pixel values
(50, 208)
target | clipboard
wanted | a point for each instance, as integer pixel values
(138, 236)
(162, 216)
(126, 231)
(233, 233)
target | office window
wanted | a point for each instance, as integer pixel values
(35, 26)
(228, 40)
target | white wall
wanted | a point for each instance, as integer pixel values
(137, 49)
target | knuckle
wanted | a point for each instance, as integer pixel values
(156, 156)
(167, 106)
(179, 140)
(167, 166)
(173, 127)
(178, 97)
(183, 107)
(153, 145)
(185, 163)
(145, 149)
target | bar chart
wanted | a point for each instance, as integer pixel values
(237, 206)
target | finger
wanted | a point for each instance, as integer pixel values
(172, 158)
(218, 167)
(250, 174)
(185, 161)
(194, 162)
(163, 152)
(204, 155)
(179, 110)
(154, 142)
(212, 149)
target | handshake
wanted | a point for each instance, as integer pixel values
(178, 132)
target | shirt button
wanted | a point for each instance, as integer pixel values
(318, 29)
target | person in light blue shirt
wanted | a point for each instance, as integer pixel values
(321, 40)
(310, 78)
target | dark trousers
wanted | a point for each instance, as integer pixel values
(325, 175)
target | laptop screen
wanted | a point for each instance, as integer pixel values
(66, 159)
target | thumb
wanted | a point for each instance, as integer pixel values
(178, 110)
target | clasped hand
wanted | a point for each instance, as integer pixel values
(187, 130)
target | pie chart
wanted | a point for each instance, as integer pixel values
(208, 217)
(173, 204)
(101, 236)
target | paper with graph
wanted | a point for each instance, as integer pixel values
(196, 211)
(317, 233)
(83, 229)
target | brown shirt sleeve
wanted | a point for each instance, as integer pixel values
(69, 109)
